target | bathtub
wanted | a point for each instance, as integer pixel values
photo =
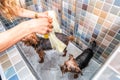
(50, 69)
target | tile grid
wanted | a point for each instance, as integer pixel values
(9, 68)
(105, 37)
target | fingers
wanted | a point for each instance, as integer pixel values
(44, 30)
(50, 26)
(43, 25)
(49, 19)
(50, 23)
(47, 30)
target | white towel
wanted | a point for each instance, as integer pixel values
(55, 42)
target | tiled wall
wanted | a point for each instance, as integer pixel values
(99, 20)
(12, 65)
(90, 20)
(68, 15)
(86, 19)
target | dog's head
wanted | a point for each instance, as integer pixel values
(70, 66)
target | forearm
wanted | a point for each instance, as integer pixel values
(12, 36)
(26, 13)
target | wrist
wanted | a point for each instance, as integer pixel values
(26, 27)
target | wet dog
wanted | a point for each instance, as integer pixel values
(80, 62)
(41, 44)
(70, 66)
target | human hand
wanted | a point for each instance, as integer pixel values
(42, 15)
(39, 25)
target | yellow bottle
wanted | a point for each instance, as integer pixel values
(46, 36)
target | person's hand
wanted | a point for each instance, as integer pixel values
(42, 15)
(39, 25)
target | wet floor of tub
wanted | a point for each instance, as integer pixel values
(50, 69)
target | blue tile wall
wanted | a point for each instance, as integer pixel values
(9, 72)
(15, 77)
(117, 3)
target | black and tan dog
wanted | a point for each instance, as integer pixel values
(41, 44)
(75, 65)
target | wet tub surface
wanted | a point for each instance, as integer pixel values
(50, 70)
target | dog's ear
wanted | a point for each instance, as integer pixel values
(71, 38)
(70, 56)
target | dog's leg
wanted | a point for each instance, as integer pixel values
(65, 52)
(41, 55)
(76, 75)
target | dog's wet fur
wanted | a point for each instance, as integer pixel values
(74, 65)
(41, 44)
(80, 62)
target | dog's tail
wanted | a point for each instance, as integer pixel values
(93, 45)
